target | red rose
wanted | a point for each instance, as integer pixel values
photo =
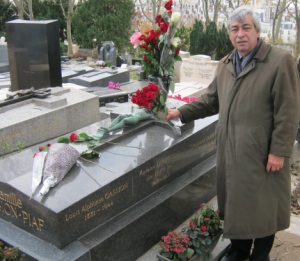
(73, 137)
(192, 224)
(203, 228)
(169, 4)
(145, 58)
(170, 12)
(159, 19)
(177, 50)
(164, 27)
(150, 96)
(41, 148)
(48, 145)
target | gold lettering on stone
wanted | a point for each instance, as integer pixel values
(32, 221)
(12, 207)
(91, 209)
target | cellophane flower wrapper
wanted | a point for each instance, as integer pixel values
(37, 170)
(60, 159)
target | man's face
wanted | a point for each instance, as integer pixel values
(243, 35)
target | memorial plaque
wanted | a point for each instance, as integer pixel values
(34, 54)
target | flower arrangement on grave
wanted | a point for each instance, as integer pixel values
(203, 229)
(161, 49)
(151, 99)
(103, 64)
(175, 246)
(54, 161)
(115, 86)
(10, 253)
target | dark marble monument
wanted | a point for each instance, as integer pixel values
(34, 54)
(158, 180)
(108, 52)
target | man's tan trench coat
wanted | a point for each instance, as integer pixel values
(258, 115)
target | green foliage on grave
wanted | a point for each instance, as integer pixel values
(103, 20)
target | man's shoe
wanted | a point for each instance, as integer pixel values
(232, 255)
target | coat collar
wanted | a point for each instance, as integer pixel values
(260, 55)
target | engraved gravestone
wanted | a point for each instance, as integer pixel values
(146, 182)
(198, 68)
(34, 54)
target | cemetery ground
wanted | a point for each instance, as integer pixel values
(287, 243)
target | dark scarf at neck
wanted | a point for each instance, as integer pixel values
(240, 65)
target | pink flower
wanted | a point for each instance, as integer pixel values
(135, 39)
(73, 137)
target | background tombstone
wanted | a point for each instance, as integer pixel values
(108, 52)
(34, 54)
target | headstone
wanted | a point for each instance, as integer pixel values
(178, 64)
(35, 120)
(101, 77)
(198, 68)
(34, 54)
(108, 52)
(158, 181)
(4, 65)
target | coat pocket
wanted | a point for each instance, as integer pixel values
(260, 140)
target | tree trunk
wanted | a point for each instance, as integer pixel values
(279, 20)
(30, 14)
(69, 27)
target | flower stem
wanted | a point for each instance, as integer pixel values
(96, 164)
(122, 145)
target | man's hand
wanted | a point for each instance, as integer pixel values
(173, 114)
(275, 163)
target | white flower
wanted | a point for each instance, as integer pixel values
(175, 17)
(176, 41)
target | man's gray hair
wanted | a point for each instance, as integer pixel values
(239, 15)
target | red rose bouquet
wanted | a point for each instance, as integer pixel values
(152, 100)
(161, 49)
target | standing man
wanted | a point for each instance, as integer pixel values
(256, 93)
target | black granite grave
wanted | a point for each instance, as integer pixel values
(34, 54)
(94, 214)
